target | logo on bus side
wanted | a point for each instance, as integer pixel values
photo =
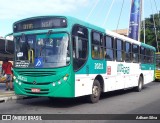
(22, 78)
(123, 69)
(98, 65)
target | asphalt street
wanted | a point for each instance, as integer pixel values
(117, 102)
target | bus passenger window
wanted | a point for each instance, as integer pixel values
(97, 45)
(95, 52)
(119, 50)
(128, 52)
(142, 55)
(108, 47)
(149, 56)
(152, 57)
(135, 52)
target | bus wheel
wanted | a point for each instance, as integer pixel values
(96, 92)
(140, 84)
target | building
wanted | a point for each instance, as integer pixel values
(121, 31)
(6, 51)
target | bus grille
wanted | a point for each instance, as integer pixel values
(38, 83)
(37, 73)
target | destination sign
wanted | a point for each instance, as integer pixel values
(40, 23)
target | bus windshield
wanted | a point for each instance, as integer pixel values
(42, 51)
(158, 61)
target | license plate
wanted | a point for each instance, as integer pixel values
(36, 90)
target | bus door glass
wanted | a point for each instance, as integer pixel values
(24, 50)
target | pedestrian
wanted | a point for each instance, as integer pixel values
(7, 70)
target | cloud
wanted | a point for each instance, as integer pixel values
(12, 9)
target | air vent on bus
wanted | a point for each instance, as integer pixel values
(37, 73)
(37, 83)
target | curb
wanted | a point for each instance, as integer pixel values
(13, 97)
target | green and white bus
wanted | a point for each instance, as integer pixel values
(61, 56)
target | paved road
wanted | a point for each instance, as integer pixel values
(118, 102)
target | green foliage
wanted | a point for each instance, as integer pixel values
(150, 37)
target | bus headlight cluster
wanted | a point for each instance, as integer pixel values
(19, 83)
(14, 77)
(59, 82)
(54, 84)
(16, 81)
(64, 79)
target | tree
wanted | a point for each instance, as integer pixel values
(150, 37)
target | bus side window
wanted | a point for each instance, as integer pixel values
(135, 53)
(108, 48)
(147, 55)
(128, 52)
(97, 45)
(142, 55)
(119, 50)
(152, 56)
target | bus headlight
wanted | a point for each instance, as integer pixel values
(14, 77)
(59, 82)
(19, 83)
(16, 81)
(54, 84)
(65, 77)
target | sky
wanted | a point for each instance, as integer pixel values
(97, 12)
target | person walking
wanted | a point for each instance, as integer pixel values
(7, 70)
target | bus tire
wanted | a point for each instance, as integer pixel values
(140, 84)
(96, 92)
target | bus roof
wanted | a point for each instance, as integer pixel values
(72, 21)
(148, 46)
(116, 35)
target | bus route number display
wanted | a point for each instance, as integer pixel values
(27, 26)
(40, 23)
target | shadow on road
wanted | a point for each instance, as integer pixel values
(54, 102)
(65, 102)
(72, 102)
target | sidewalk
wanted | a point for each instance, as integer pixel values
(7, 95)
